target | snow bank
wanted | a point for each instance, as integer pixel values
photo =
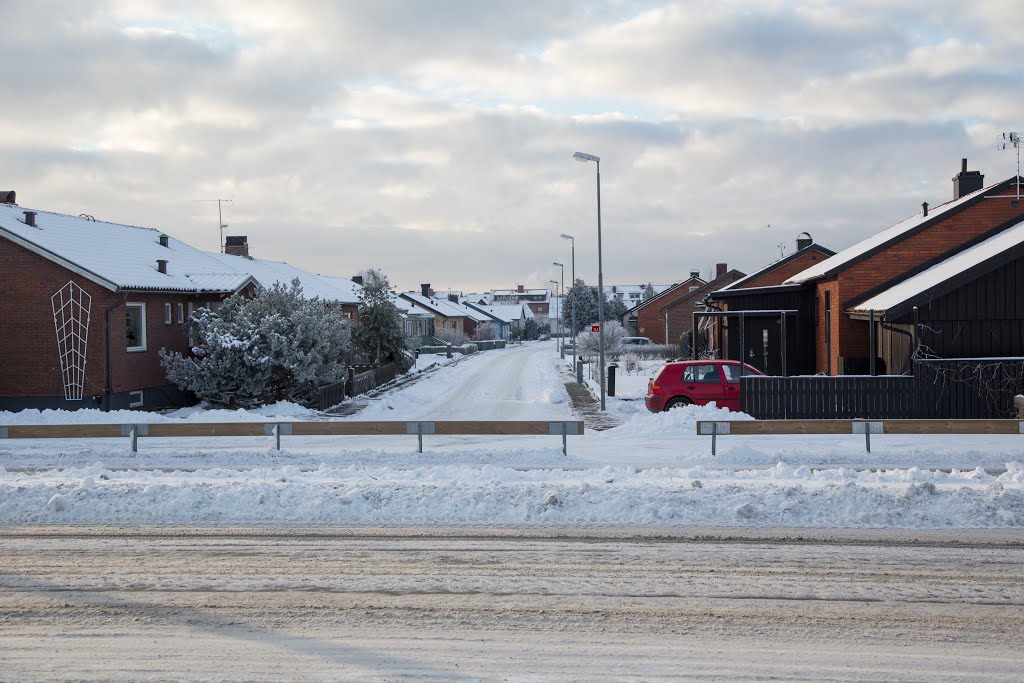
(676, 422)
(276, 411)
(779, 496)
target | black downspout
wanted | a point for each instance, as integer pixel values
(871, 345)
(108, 390)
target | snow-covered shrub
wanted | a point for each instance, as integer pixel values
(453, 337)
(275, 346)
(630, 362)
(588, 343)
(380, 334)
(487, 331)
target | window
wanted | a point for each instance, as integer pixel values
(135, 399)
(694, 288)
(732, 373)
(167, 314)
(191, 337)
(135, 327)
(701, 373)
(181, 313)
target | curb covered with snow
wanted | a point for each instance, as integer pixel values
(780, 496)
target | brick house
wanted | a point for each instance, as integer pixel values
(647, 318)
(678, 313)
(848, 313)
(539, 300)
(879, 263)
(86, 306)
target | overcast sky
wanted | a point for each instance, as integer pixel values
(433, 138)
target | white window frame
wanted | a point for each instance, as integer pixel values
(136, 399)
(142, 307)
(181, 313)
(167, 314)
(191, 337)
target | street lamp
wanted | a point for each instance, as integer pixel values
(581, 156)
(573, 330)
(561, 301)
(554, 288)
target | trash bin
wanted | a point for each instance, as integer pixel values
(611, 379)
(579, 370)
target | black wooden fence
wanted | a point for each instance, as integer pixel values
(938, 389)
(360, 381)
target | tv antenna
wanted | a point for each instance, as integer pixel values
(1007, 140)
(221, 225)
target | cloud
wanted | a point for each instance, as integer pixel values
(434, 140)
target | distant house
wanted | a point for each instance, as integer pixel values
(647, 318)
(448, 315)
(539, 300)
(506, 317)
(88, 304)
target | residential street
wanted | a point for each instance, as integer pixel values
(493, 604)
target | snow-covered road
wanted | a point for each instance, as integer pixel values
(549, 604)
(517, 383)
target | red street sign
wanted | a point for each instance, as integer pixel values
(595, 328)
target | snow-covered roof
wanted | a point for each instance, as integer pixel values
(739, 284)
(119, 257)
(409, 309)
(863, 247)
(267, 273)
(508, 313)
(941, 272)
(439, 306)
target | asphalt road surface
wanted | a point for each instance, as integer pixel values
(491, 604)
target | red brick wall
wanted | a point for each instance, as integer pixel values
(784, 272)
(29, 362)
(680, 312)
(820, 347)
(649, 320)
(909, 253)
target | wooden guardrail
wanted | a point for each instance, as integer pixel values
(279, 429)
(865, 427)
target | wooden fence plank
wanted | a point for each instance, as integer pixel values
(950, 426)
(741, 427)
(75, 431)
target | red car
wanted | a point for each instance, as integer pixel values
(698, 382)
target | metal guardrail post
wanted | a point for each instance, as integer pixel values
(563, 429)
(133, 432)
(419, 429)
(867, 429)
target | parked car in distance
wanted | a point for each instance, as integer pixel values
(636, 341)
(697, 382)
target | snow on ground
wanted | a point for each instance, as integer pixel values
(653, 469)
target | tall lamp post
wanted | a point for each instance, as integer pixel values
(561, 302)
(582, 156)
(573, 330)
(554, 288)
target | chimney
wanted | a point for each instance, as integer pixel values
(519, 289)
(7, 197)
(358, 279)
(721, 269)
(30, 218)
(425, 289)
(966, 182)
(694, 272)
(454, 298)
(164, 241)
(804, 240)
(161, 265)
(924, 208)
(237, 245)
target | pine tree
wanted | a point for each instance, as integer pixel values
(277, 345)
(648, 292)
(583, 300)
(380, 333)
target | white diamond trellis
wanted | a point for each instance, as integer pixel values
(71, 306)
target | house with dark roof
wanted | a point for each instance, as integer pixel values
(647, 318)
(87, 305)
(957, 264)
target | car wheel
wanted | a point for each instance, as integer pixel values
(677, 402)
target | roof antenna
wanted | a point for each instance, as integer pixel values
(220, 217)
(1007, 140)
